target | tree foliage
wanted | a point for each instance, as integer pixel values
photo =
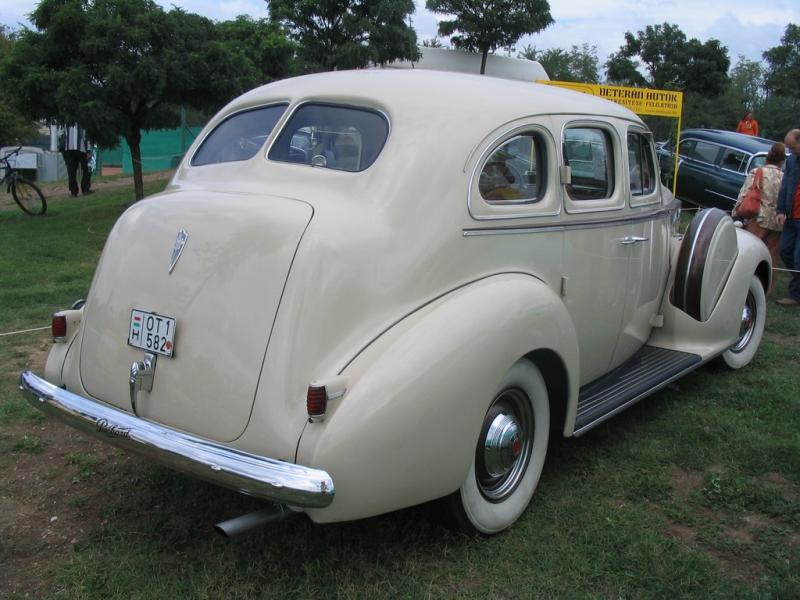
(781, 106)
(119, 67)
(670, 61)
(486, 25)
(15, 127)
(579, 63)
(347, 34)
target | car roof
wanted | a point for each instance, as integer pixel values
(416, 89)
(747, 143)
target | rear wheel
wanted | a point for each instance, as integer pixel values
(751, 328)
(509, 456)
(28, 197)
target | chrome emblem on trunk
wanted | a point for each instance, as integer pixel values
(177, 249)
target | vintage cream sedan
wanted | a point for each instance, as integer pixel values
(366, 290)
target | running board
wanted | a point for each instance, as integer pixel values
(646, 372)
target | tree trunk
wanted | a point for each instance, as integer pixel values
(133, 140)
(483, 61)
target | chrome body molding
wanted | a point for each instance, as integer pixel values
(575, 224)
(250, 474)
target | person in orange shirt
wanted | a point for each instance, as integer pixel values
(748, 125)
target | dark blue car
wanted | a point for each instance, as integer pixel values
(712, 165)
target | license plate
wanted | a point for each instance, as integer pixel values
(152, 332)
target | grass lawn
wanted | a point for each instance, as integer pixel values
(694, 492)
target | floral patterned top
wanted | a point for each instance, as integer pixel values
(770, 185)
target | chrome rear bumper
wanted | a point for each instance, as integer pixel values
(259, 476)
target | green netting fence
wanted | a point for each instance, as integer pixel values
(161, 149)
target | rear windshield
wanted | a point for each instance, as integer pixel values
(332, 137)
(239, 137)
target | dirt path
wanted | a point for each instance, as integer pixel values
(56, 191)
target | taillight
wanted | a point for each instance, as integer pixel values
(316, 401)
(58, 326)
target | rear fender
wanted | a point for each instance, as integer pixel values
(56, 358)
(405, 430)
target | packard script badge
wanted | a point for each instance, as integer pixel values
(177, 249)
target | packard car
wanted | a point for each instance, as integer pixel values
(367, 290)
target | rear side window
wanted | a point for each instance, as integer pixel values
(641, 165)
(734, 160)
(704, 152)
(513, 172)
(589, 154)
(332, 137)
(239, 137)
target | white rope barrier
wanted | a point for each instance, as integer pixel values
(25, 331)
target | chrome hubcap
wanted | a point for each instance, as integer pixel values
(502, 445)
(749, 314)
(504, 448)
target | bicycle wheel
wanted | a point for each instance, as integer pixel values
(28, 197)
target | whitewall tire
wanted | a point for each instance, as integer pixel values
(754, 316)
(509, 456)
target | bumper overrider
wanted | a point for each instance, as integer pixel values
(266, 478)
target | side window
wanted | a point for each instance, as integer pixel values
(641, 165)
(239, 137)
(759, 160)
(513, 173)
(589, 154)
(705, 152)
(687, 149)
(332, 137)
(735, 160)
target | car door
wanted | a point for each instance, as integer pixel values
(729, 178)
(696, 169)
(597, 231)
(648, 245)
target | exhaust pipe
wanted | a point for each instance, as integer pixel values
(252, 520)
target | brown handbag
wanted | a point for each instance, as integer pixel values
(750, 205)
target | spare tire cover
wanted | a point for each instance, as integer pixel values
(705, 260)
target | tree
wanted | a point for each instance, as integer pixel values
(263, 44)
(670, 61)
(577, 64)
(661, 57)
(347, 34)
(120, 67)
(14, 126)
(433, 42)
(486, 25)
(782, 74)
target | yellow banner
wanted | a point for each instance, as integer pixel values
(642, 101)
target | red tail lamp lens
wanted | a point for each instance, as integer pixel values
(59, 326)
(316, 401)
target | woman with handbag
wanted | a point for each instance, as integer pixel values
(758, 200)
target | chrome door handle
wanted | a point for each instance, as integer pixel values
(142, 377)
(632, 239)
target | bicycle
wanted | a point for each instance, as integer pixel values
(27, 196)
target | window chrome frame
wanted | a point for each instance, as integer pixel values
(281, 125)
(202, 140)
(654, 196)
(548, 203)
(616, 201)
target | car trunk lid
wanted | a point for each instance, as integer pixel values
(223, 290)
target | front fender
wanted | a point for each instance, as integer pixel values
(406, 428)
(716, 334)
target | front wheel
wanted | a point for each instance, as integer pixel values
(28, 197)
(509, 455)
(751, 328)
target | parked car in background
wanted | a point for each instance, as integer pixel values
(367, 290)
(712, 165)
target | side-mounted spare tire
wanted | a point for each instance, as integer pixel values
(706, 257)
